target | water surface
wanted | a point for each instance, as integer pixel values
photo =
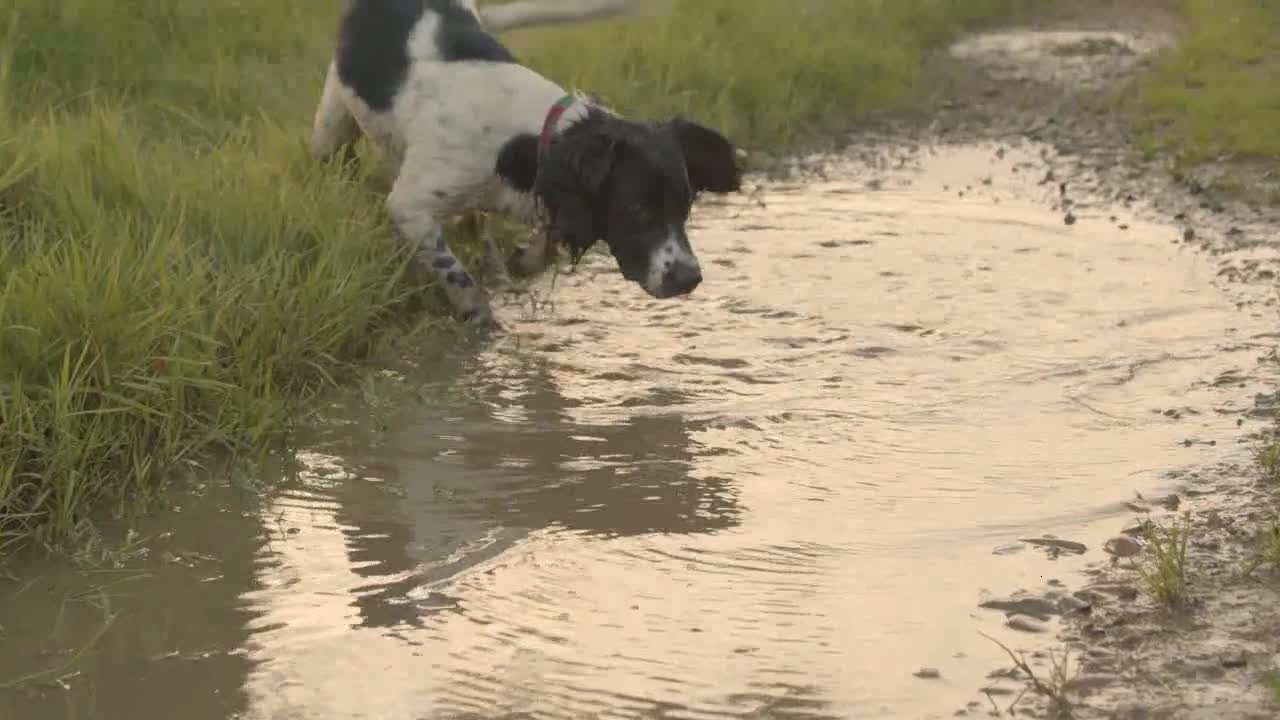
(780, 497)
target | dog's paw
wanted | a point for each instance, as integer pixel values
(483, 319)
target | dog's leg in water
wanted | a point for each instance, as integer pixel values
(417, 221)
(495, 266)
(534, 258)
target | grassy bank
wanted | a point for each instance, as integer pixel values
(178, 275)
(1216, 94)
(768, 73)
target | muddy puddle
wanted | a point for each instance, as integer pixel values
(783, 497)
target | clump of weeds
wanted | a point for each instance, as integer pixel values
(1055, 686)
(1267, 457)
(1268, 553)
(1272, 679)
(1163, 567)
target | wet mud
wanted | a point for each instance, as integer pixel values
(920, 405)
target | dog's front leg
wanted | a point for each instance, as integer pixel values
(534, 258)
(334, 129)
(495, 269)
(418, 222)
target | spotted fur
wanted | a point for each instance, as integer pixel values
(459, 117)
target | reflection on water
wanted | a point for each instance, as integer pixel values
(165, 632)
(777, 498)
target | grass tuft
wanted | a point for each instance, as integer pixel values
(1272, 680)
(1267, 457)
(1268, 550)
(1056, 686)
(1163, 567)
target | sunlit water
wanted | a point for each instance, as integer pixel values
(778, 498)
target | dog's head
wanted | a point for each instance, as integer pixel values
(633, 185)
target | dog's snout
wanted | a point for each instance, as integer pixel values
(681, 279)
(673, 269)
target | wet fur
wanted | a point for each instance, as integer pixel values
(458, 116)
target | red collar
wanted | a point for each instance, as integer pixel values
(553, 117)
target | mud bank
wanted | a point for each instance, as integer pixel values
(1217, 655)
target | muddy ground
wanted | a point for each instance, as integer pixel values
(1061, 78)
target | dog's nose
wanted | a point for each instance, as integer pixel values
(681, 279)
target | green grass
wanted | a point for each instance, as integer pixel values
(176, 273)
(1268, 550)
(178, 278)
(1216, 94)
(1163, 567)
(1267, 456)
(768, 73)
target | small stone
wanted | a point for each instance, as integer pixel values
(1068, 604)
(1009, 549)
(1069, 219)
(928, 674)
(1091, 682)
(1058, 544)
(1034, 607)
(1137, 528)
(1024, 623)
(1118, 591)
(1235, 659)
(1135, 711)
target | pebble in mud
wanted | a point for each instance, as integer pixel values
(1056, 546)
(1024, 623)
(1068, 604)
(928, 674)
(1032, 607)
(1138, 527)
(1234, 659)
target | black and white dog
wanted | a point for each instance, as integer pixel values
(470, 129)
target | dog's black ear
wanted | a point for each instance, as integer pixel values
(575, 224)
(710, 158)
(571, 180)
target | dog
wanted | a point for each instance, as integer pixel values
(469, 129)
